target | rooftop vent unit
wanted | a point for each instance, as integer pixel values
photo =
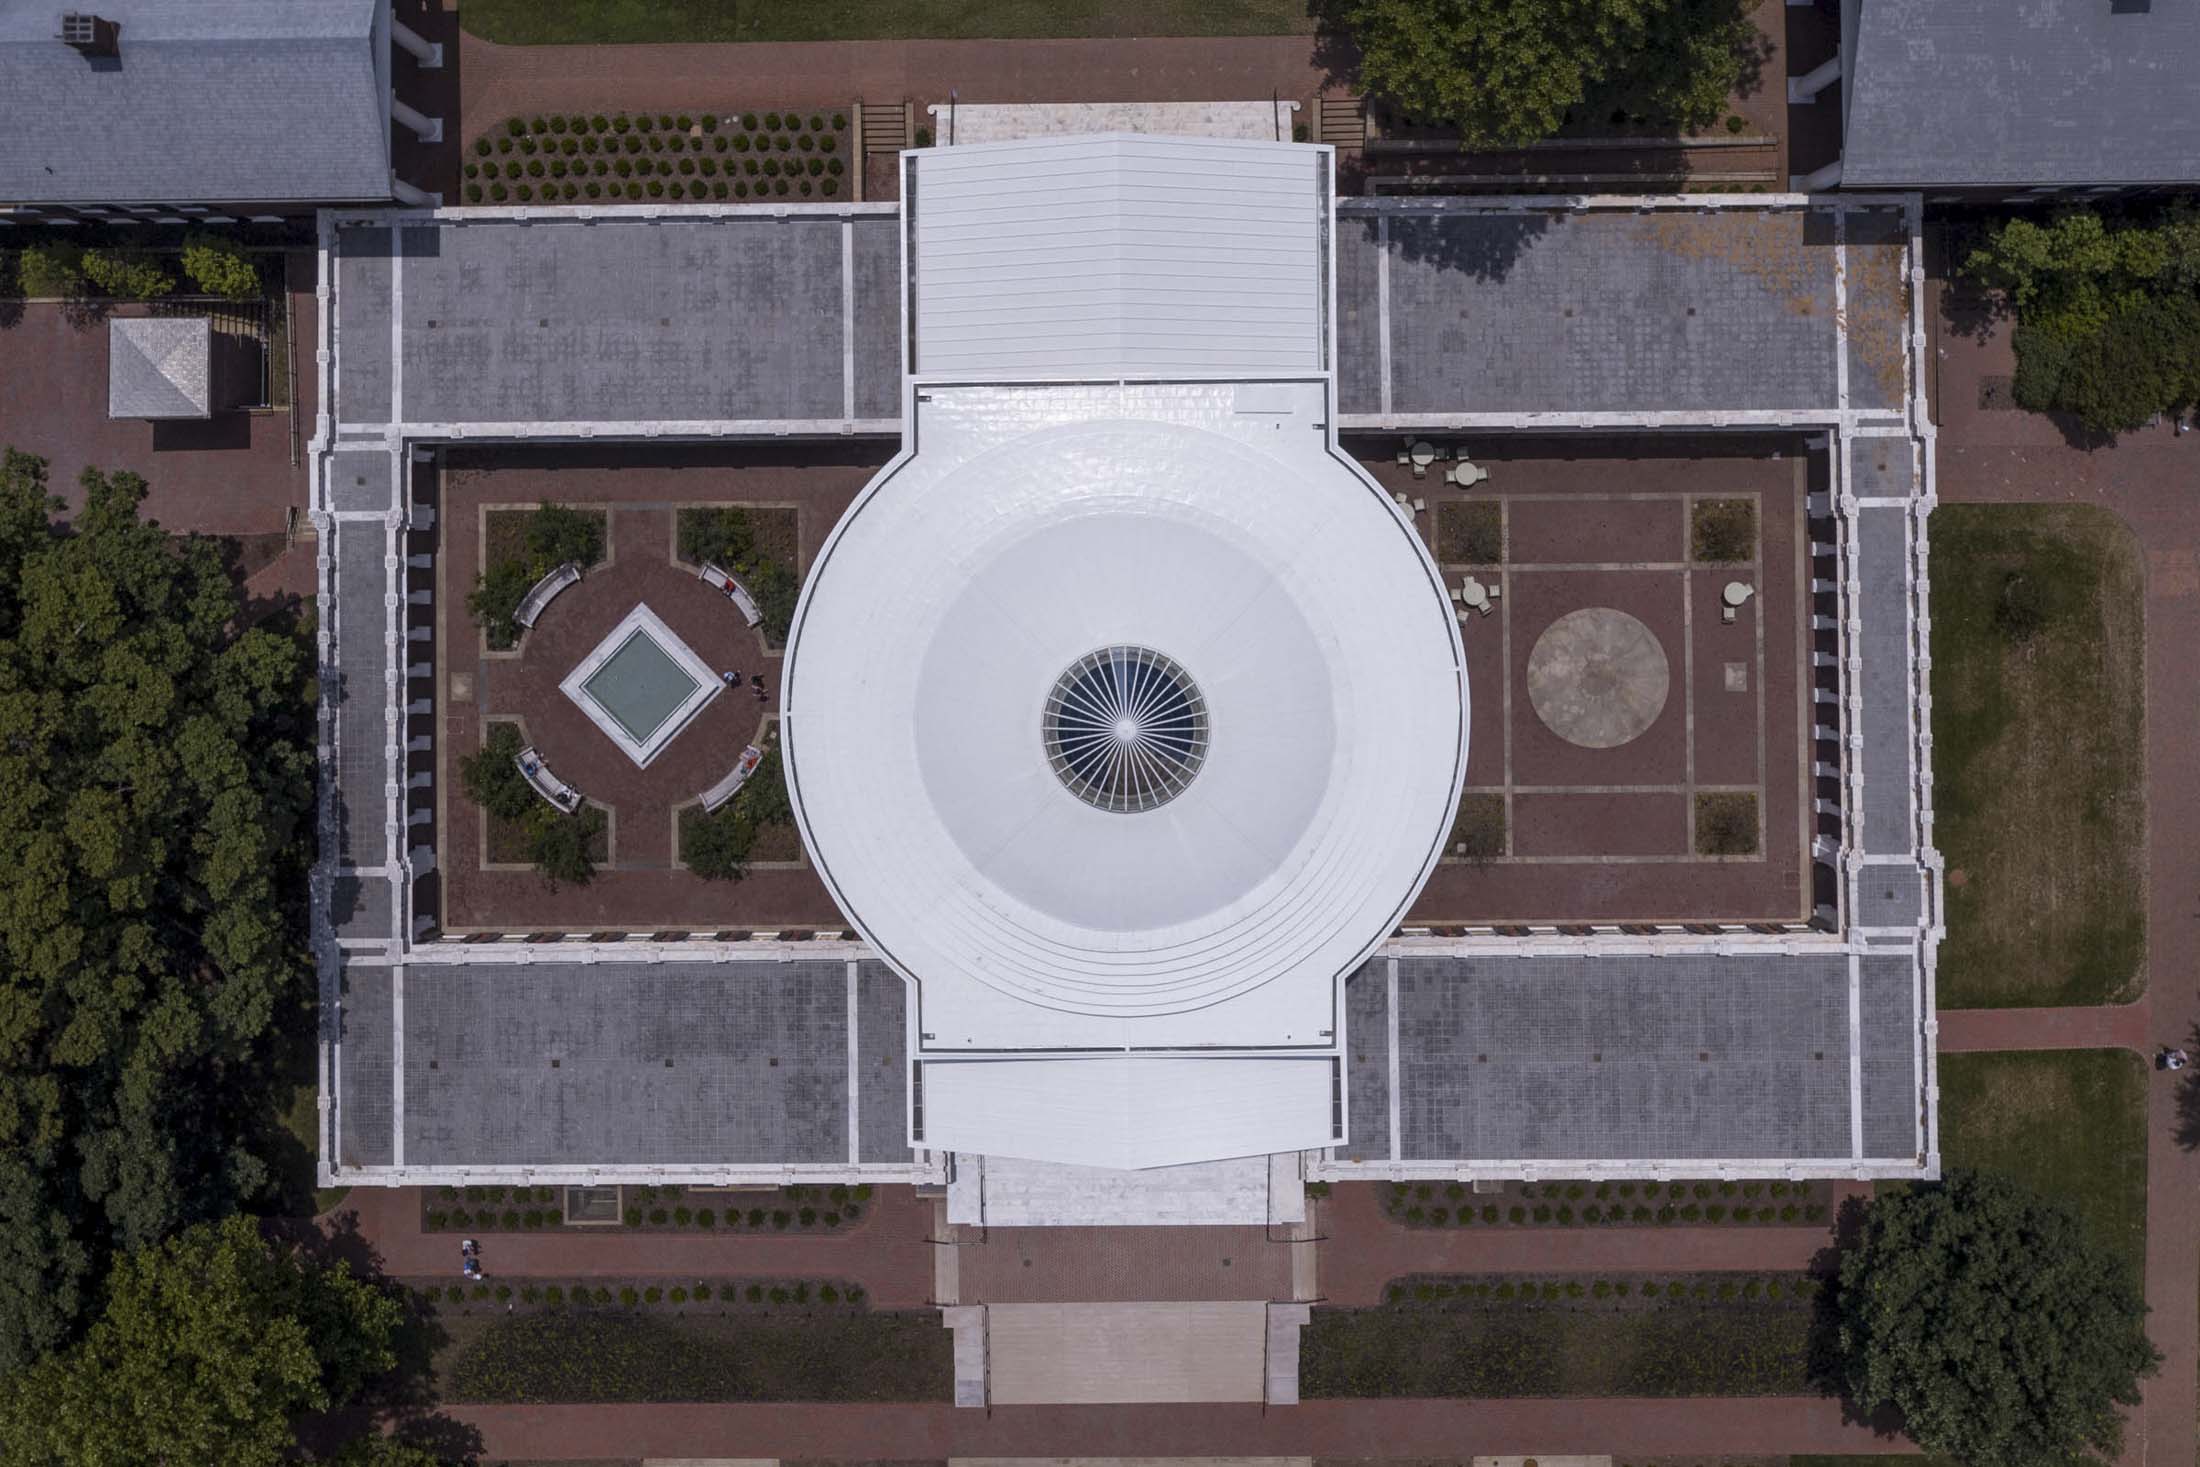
(91, 34)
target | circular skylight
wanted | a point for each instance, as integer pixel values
(1125, 729)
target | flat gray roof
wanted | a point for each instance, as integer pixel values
(549, 1063)
(752, 317)
(211, 101)
(1554, 1060)
(1455, 307)
(1985, 92)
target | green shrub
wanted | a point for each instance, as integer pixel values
(924, 137)
(827, 1294)
(531, 1218)
(755, 1293)
(594, 189)
(658, 1216)
(1735, 123)
(127, 274)
(633, 191)
(1517, 1214)
(684, 122)
(656, 189)
(524, 192)
(1489, 1212)
(599, 123)
(783, 143)
(491, 778)
(708, 167)
(771, 122)
(1542, 1212)
(1715, 1212)
(682, 1216)
(673, 144)
(706, 1217)
(780, 1218)
(514, 127)
(702, 1293)
(815, 167)
(863, 1192)
(1565, 1214)
(827, 144)
(601, 1296)
(1550, 1292)
(432, 1294)
(633, 1217)
(1504, 1291)
(806, 143)
(554, 1293)
(778, 1294)
(829, 187)
(622, 123)
(1600, 1289)
(678, 1295)
(1623, 1288)
(718, 189)
(481, 1291)
(653, 1294)
(664, 121)
(628, 1297)
(528, 147)
(1439, 1215)
(687, 166)
(503, 1293)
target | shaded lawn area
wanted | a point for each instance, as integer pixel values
(2038, 761)
(1873, 1459)
(596, 22)
(2068, 1123)
(1693, 1345)
(579, 1355)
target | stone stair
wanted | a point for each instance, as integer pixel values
(1341, 121)
(887, 127)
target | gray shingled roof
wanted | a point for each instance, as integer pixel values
(159, 367)
(2021, 92)
(236, 101)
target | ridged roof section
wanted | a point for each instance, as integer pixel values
(1119, 255)
(229, 101)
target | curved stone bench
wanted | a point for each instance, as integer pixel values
(725, 582)
(544, 591)
(736, 777)
(546, 784)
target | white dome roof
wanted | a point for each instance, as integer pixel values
(950, 603)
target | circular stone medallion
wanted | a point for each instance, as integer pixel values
(1598, 678)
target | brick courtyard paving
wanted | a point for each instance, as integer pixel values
(1605, 834)
(230, 475)
(2149, 478)
(642, 489)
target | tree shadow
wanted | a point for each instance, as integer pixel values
(1484, 245)
(1824, 1356)
(404, 1402)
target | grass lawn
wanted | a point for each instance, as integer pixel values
(2068, 1123)
(2038, 760)
(597, 22)
(1691, 1345)
(702, 1354)
(301, 1123)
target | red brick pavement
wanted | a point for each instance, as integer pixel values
(230, 475)
(1436, 1430)
(2117, 1026)
(888, 1252)
(1362, 1250)
(2149, 478)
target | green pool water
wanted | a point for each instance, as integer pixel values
(640, 685)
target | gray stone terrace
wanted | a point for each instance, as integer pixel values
(730, 1070)
(1534, 312)
(1567, 1064)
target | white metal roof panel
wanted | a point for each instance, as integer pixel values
(1119, 255)
(1128, 1110)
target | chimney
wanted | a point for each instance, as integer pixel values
(91, 35)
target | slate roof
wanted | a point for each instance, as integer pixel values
(2020, 92)
(159, 367)
(229, 101)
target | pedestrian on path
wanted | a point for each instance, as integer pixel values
(2173, 1059)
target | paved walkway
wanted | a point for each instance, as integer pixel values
(887, 1253)
(1438, 1430)
(2111, 1026)
(2150, 478)
(1362, 1250)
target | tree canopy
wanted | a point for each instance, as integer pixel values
(159, 784)
(1509, 72)
(2001, 1332)
(211, 1345)
(2108, 312)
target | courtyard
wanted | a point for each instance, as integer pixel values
(794, 496)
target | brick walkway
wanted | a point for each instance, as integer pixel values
(2117, 1026)
(1362, 1250)
(1437, 1430)
(887, 1252)
(2149, 478)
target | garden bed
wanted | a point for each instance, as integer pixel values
(1605, 1204)
(763, 546)
(2039, 762)
(518, 548)
(1514, 1335)
(653, 1294)
(1472, 533)
(660, 157)
(800, 1209)
(699, 1354)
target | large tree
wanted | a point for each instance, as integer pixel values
(1509, 72)
(158, 790)
(2108, 311)
(2004, 1335)
(210, 1348)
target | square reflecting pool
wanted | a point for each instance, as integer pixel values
(641, 684)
